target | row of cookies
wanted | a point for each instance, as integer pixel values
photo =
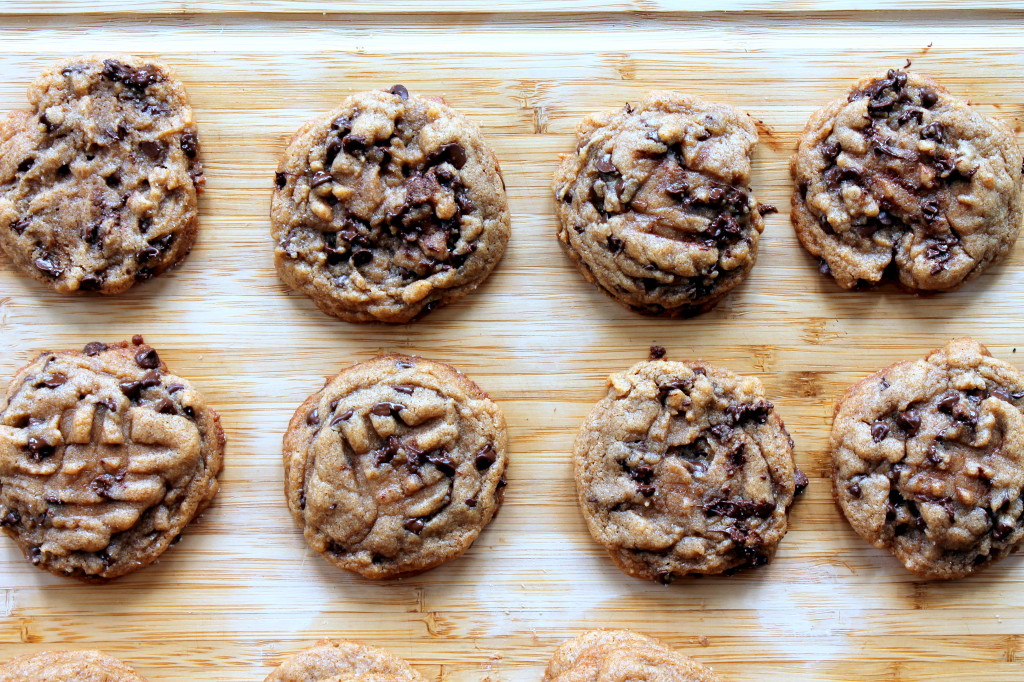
(594, 656)
(398, 463)
(393, 204)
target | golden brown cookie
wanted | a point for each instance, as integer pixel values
(622, 656)
(928, 460)
(98, 182)
(67, 666)
(655, 206)
(388, 207)
(105, 457)
(339, 660)
(684, 468)
(395, 466)
(901, 180)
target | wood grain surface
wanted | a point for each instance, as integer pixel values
(241, 591)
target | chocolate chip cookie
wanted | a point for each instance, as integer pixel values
(901, 180)
(395, 466)
(67, 666)
(622, 656)
(388, 207)
(98, 181)
(105, 457)
(685, 468)
(928, 460)
(339, 660)
(654, 205)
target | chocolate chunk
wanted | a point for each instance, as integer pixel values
(756, 411)
(932, 131)
(928, 98)
(485, 457)
(55, 380)
(657, 353)
(739, 509)
(390, 448)
(46, 265)
(344, 416)
(26, 164)
(362, 256)
(407, 389)
(138, 78)
(137, 340)
(386, 409)
(1000, 393)
(354, 144)
(830, 150)
(401, 91)
(133, 389)
(414, 526)
(11, 518)
(450, 152)
(40, 449)
(646, 490)
(313, 418)
(766, 209)
(280, 179)
(93, 348)
(189, 144)
(947, 401)
(800, 479)
(471, 502)
(879, 430)
(443, 463)
(19, 226)
(103, 485)
(320, 178)
(909, 421)
(604, 165)
(147, 359)
(165, 406)
(615, 245)
(153, 150)
(854, 490)
(930, 209)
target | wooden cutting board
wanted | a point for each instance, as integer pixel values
(242, 590)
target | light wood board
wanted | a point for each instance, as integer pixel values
(242, 590)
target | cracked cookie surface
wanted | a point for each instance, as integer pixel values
(388, 207)
(901, 180)
(105, 457)
(654, 206)
(98, 182)
(395, 466)
(80, 666)
(622, 656)
(339, 660)
(928, 460)
(685, 468)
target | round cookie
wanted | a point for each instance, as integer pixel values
(339, 660)
(901, 180)
(395, 466)
(928, 460)
(388, 207)
(685, 468)
(105, 457)
(80, 666)
(98, 181)
(622, 656)
(654, 206)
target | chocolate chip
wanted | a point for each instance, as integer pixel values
(928, 98)
(1000, 393)
(35, 555)
(854, 490)
(930, 209)
(26, 164)
(19, 226)
(443, 463)
(604, 165)
(766, 209)
(645, 490)
(933, 131)
(757, 411)
(391, 446)
(332, 149)
(165, 406)
(1001, 531)
(801, 482)
(362, 256)
(313, 418)
(11, 518)
(280, 179)
(450, 152)
(502, 483)
(133, 389)
(404, 388)
(147, 359)
(55, 380)
(137, 340)
(40, 449)
(189, 144)
(320, 178)
(485, 457)
(401, 91)
(386, 409)
(879, 430)
(657, 353)
(471, 502)
(344, 416)
(414, 526)
(947, 402)
(830, 150)
(615, 245)
(139, 78)
(353, 144)
(102, 485)
(153, 150)
(46, 265)
(909, 421)
(739, 509)
(823, 267)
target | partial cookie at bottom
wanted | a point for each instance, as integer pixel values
(622, 656)
(339, 660)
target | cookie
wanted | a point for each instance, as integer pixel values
(339, 660)
(622, 656)
(684, 468)
(900, 180)
(98, 181)
(388, 207)
(105, 457)
(395, 466)
(928, 460)
(654, 206)
(67, 666)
